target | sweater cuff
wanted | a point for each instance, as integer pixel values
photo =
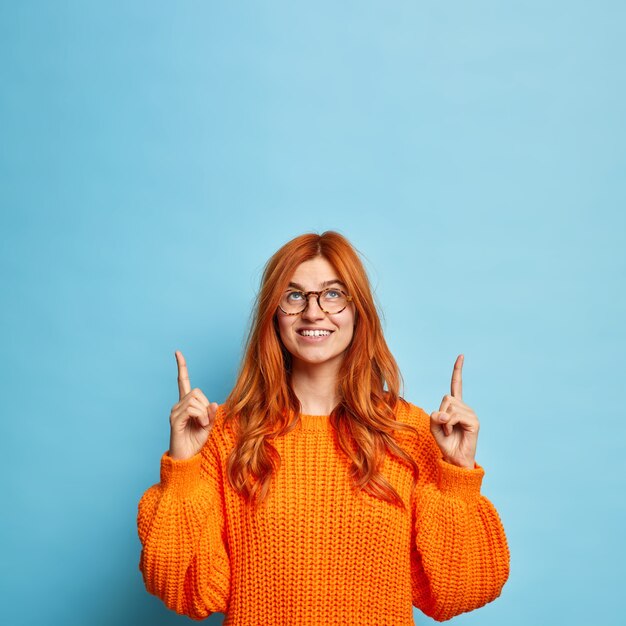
(460, 482)
(180, 476)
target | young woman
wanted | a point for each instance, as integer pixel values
(316, 494)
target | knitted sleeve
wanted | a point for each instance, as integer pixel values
(460, 557)
(181, 525)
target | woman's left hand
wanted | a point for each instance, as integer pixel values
(455, 426)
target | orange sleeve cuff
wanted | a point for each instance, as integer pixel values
(181, 476)
(460, 482)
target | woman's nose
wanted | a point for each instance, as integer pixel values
(313, 310)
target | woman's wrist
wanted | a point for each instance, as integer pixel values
(465, 465)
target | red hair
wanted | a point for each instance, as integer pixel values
(364, 419)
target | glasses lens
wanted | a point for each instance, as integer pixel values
(292, 302)
(331, 301)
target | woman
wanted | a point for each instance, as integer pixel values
(315, 495)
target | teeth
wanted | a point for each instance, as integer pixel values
(314, 333)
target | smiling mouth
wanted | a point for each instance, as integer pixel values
(315, 333)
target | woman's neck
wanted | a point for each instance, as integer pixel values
(315, 386)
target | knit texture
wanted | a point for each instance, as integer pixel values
(319, 551)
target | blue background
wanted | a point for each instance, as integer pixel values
(154, 155)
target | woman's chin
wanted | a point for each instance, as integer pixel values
(315, 358)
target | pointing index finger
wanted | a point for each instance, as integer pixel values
(456, 385)
(184, 385)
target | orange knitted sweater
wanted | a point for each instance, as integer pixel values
(321, 552)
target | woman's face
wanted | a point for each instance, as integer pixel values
(315, 275)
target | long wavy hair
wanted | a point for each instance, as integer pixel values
(364, 419)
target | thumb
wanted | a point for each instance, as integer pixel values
(212, 411)
(439, 420)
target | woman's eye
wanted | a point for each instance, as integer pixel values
(333, 293)
(293, 294)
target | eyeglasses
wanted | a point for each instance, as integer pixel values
(330, 300)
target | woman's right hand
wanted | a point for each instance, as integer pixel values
(191, 419)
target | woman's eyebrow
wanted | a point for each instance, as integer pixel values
(324, 284)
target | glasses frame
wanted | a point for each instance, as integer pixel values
(317, 294)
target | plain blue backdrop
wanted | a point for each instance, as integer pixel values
(153, 155)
